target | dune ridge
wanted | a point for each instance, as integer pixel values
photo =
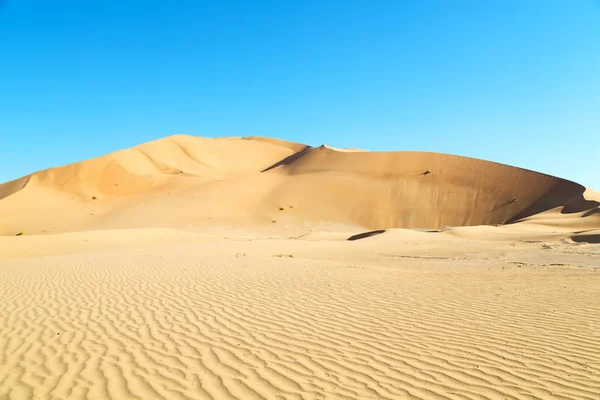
(12, 187)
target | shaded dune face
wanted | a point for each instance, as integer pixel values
(12, 187)
(565, 194)
(424, 190)
(374, 190)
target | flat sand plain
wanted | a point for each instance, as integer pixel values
(171, 314)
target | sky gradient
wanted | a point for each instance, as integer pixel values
(516, 82)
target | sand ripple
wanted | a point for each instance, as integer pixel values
(177, 323)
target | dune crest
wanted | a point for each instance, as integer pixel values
(12, 187)
(591, 195)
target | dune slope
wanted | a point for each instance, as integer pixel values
(422, 190)
(190, 181)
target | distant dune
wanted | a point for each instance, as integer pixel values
(196, 182)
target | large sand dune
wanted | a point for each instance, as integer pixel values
(185, 181)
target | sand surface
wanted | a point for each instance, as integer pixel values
(191, 268)
(166, 314)
(187, 182)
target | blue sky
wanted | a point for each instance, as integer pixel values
(511, 81)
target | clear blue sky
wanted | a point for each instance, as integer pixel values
(513, 81)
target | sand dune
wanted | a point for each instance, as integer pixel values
(421, 190)
(185, 181)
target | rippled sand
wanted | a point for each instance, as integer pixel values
(163, 314)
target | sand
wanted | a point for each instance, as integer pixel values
(192, 268)
(286, 188)
(165, 314)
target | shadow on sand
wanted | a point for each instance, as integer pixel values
(365, 235)
(592, 238)
(567, 194)
(289, 159)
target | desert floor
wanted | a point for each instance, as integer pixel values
(172, 314)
